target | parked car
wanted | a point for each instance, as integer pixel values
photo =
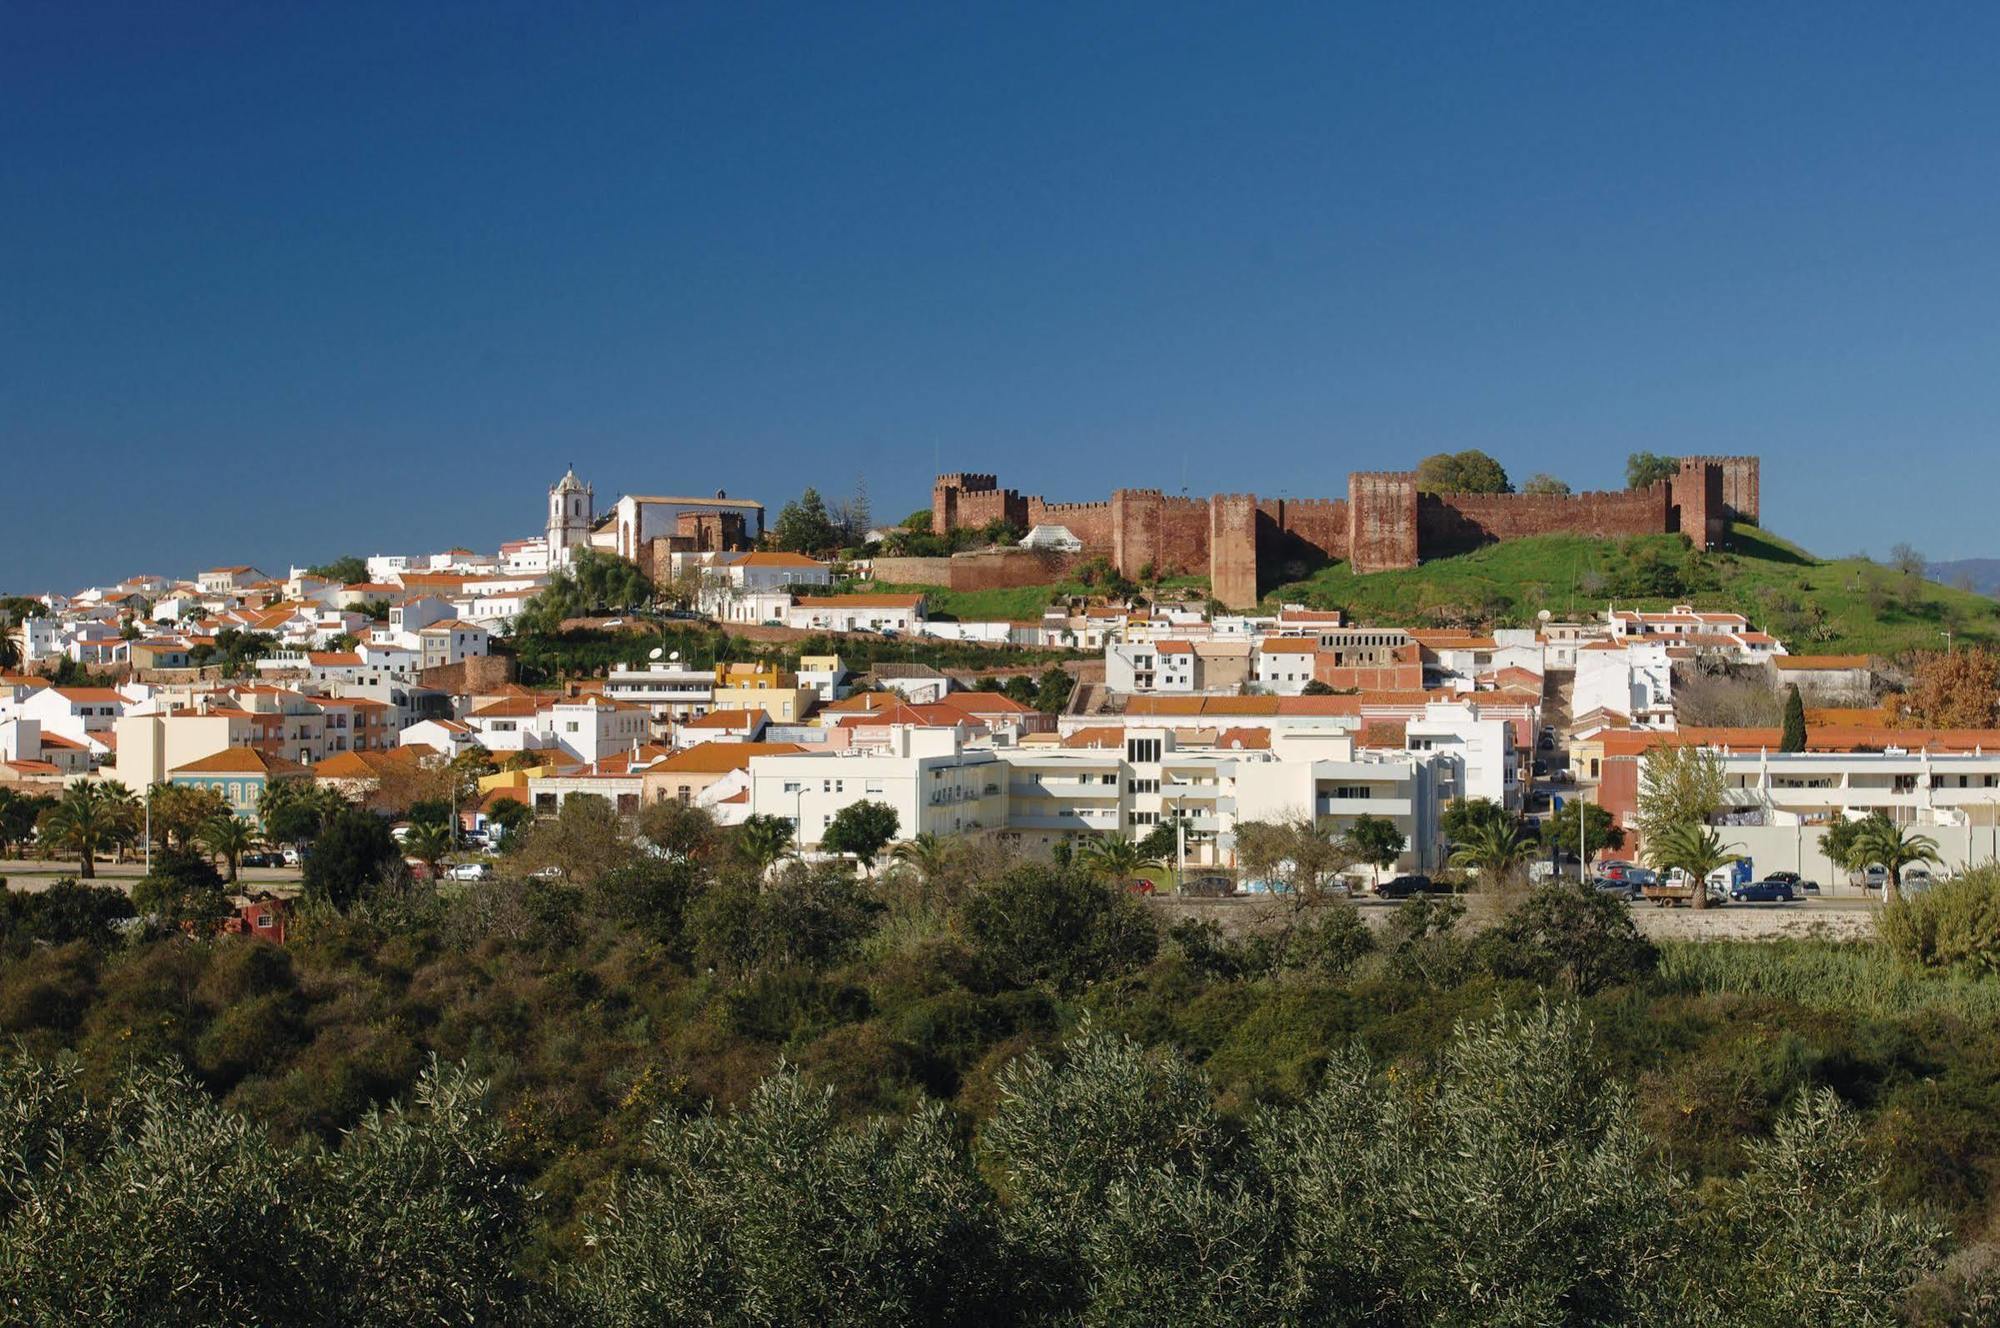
(1875, 877)
(1402, 887)
(1139, 885)
(262, 858)
(1630, 890)
(470, 871)
(551, 873)
(1266, 888)
(1614, 869)
(1766, 891)
(293, 857)
(1796, 881)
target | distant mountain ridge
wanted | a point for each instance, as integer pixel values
(1981, 574)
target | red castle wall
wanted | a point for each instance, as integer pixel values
(1458, 522)
(1383, 522)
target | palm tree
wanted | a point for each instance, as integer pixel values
(1115, 858)
(1495, 848)
(928, 853)
(1694, 849)
(1894, 848)
(228, 837)
(762, 840)
(10, 649)
(90, 818)
(128, 816)
(428, 842)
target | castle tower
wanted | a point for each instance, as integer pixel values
(572, 512)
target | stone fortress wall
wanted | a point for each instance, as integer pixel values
(1384, 522)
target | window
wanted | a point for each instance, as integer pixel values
(1142, 786)
(1352, 791)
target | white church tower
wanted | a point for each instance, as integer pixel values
(571, 515)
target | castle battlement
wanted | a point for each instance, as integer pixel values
(1383, 522)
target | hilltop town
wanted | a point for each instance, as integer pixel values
(1152, 710)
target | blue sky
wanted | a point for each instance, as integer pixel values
(286, 281)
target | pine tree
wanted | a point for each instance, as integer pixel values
(1795, 722)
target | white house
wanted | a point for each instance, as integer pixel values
(857, 613)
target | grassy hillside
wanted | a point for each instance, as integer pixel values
(1815, 605)
(1019, 603)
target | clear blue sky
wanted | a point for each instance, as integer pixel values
(290, 281)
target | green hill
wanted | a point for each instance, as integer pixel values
(1815, 605)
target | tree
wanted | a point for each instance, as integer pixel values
(1679, 784)
(1114, 858)
(1470, 471)
(928, 854)
(762, 840)
(351, 569)
(1692, 848)
(1841, 840)
(1547, 486)
(1316, 688)
(1794, 738)
(1645, 469)
(583, 840)
(1041, 924)
(804, 526)
(853, 518)
(19, 813)
(1957, 689)
(862, 828)
(1892, 847)
(181, 890)
(1571, 933)
(1559, 830)
(295, 811)
(228, 837)
(1495, 849)
(347, 856)
(1463, 817)
(1376, 841)
(1052, 689)
(1298, 854)
(429, 842)
(178, 813)
(91, 818)
(781, 1213)
(678, 830)
(510, 814)
(1905, 559)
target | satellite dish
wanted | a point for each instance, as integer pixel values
(1543, 615)
(654, 653)
(675, 656)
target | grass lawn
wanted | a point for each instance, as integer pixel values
(1816, 606)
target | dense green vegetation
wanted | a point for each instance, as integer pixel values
(546, 657)
(1839, 605)
(1026, 603)
(971, 1087)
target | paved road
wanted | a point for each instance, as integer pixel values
(39, 874)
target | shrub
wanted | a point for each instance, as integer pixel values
(1569, 933)
(1043, 924)
(1955, 923)
(347, 856)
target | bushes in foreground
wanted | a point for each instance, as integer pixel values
(1509, 1183)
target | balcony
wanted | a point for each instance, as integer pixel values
(1390, 807)
(1062, 788)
